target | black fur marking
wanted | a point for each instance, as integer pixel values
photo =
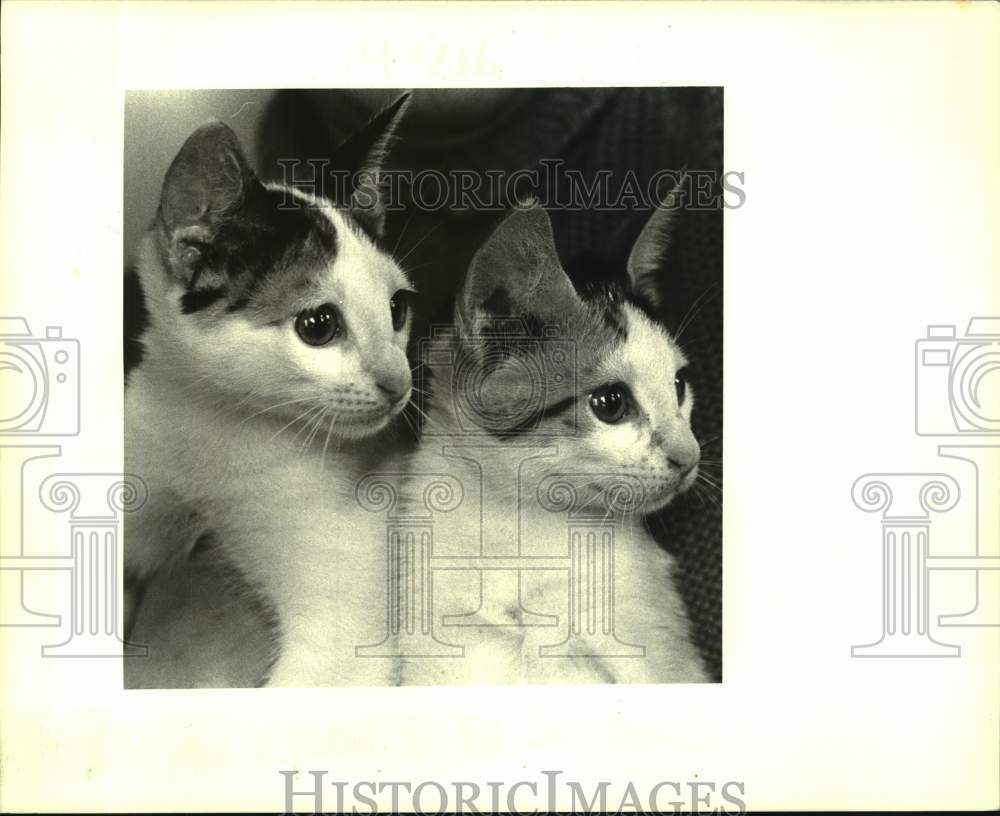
(599, 279)
(645, 306)
(531, 423)
(266, 234)
(198, 299)
(136, 319)
(260, 251)
(555, 409)
(608, 298)
(611, 311)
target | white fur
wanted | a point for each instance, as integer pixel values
(502, 514)
(210, 426)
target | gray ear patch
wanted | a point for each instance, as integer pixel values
(206, 180)
(516, 271)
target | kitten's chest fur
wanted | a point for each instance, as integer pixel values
(534, 596)
(285, 518)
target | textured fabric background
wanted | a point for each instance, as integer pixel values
(642, 130)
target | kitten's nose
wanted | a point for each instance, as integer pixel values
(684, 467)
(684, 453)
(393, 394)
(394, 386)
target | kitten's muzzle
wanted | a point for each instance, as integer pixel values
(682, 468)
(395, 392)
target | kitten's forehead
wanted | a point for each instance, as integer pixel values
(298, 252)
(645, 351)
(354, 274)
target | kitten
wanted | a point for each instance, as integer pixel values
(274, 366)
(554, 414)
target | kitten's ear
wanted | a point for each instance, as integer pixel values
(517, 272)
(646, 260)
(364, 155)
(207, 181)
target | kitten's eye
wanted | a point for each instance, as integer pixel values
(318, 326)
(610, 403)
(399, 307)
(191, 254)
(680, 384)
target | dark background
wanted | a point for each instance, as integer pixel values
(616, 129)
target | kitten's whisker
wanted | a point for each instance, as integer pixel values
(326, 442)
(707, 498)
(301, 416)
(428, 421)
(306, 425)
(250, 395)
(402, 232)
(409, 423)
(712, 492)
(272, 407)
(197, 381)
(696, 307)
(423, 238)
(710, 479)
(698, 492)
(315, 427)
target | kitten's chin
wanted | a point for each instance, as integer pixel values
(659, 501)
(369, 426)
(349, 428)
(362, 430)
(652, 504)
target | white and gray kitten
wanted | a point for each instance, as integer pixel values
(274, 363)
(559, 421)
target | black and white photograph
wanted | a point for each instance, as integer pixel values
(499, 407)
(424, 386)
